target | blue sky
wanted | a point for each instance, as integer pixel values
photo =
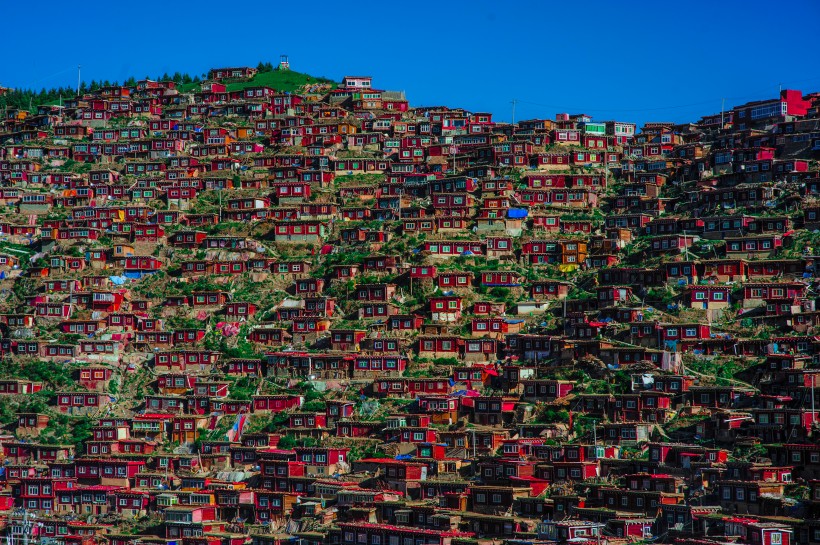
(639, 61)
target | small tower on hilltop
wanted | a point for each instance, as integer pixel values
(284, 64)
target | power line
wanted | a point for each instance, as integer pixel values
(46, 78)
(715, 101)
(565, 107)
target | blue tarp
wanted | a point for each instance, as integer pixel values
(517, 213)
(119, 280)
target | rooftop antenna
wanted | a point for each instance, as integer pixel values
(78, 79)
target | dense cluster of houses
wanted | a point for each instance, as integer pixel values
(332, 318)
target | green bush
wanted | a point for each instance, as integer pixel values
(286, 442)
(315, 406)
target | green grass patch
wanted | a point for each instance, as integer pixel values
(284, 80)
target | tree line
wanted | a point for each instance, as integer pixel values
(30, 99)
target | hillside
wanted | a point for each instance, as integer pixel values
(331, 317)
(281, 80)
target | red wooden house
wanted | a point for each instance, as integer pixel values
(70, 402)
(439, 346)
(500, 278)
(346, 339)
(181, 360)
(239, 311)
(446, 308)
(94, 377)
(707, 296)
(405, 322)
(275, 403)
(243, 367)
(494, 327)
(19, 387)
(482, 308)
(269, 335)
(454, 280)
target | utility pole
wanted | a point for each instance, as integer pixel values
(722, 104)
(514, 102)
(78, 79)
(473, 443)
(595, 436)
(26, 527)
